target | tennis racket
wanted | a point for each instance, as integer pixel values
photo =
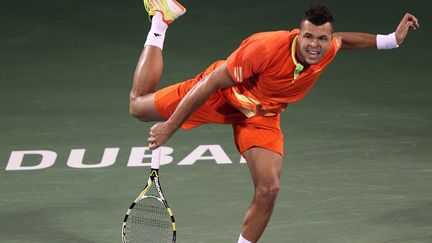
(149, 219)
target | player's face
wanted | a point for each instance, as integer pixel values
(313, 42)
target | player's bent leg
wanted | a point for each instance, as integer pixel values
(265, 167)
(150, 64)
(147, 75)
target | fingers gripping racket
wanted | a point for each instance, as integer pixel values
(149, 219)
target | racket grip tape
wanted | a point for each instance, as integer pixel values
(156, 156)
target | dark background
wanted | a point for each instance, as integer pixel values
(359, 160)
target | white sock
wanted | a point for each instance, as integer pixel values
(243, 240)
(156, 35)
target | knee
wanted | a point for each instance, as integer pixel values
(134, 112)
(137, 110)
(267, 193)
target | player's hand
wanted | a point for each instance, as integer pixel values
(159, 134)
(409, 21)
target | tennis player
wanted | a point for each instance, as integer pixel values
(248, 90)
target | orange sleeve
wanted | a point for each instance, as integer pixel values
(249, 59)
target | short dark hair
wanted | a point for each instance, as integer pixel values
(318, 14)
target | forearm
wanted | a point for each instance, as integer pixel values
(162, 131)
(218, 79)
(355, 40)
(191, 102)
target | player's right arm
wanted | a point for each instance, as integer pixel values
(354, 41)
(218, 79)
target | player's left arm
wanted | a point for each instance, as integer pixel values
(353, 40)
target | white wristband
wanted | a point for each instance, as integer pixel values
(386, 41)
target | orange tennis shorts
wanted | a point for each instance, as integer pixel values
(257, 131)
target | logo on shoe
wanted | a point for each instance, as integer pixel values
(157, 35)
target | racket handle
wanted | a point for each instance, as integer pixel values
(156, 156)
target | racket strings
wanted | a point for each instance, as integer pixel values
(151, 209)
(149, 221)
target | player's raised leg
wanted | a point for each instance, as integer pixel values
(265, 167)
(150, 64)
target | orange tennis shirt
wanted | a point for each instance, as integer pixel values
(264, 69)
(267, 77)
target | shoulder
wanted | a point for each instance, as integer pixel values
(337, 41)
(280, 37)
(270, 42)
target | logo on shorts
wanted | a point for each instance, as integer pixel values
(238, 73)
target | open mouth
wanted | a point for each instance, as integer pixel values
(313, 54)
